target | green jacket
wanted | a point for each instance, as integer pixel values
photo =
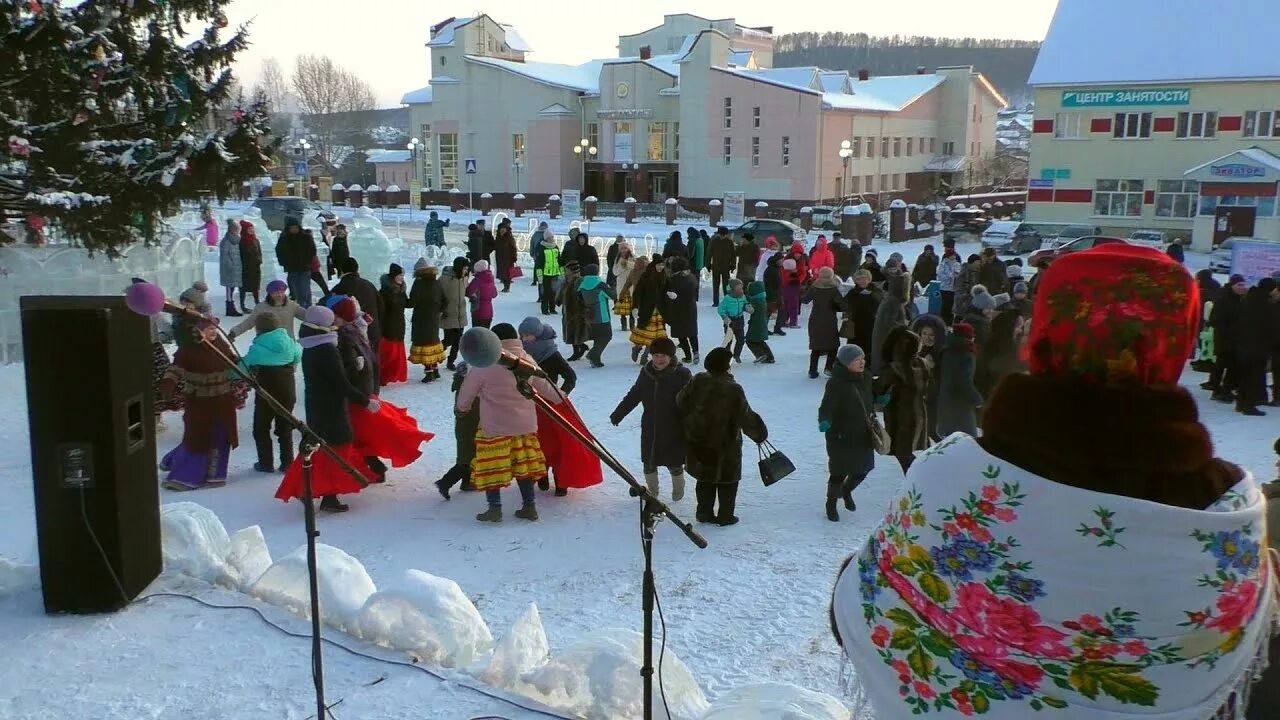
(758, 325)
(273, 349)
(732, 307)
(697, 254)
(595, 299)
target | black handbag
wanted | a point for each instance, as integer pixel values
(774, 465)
(880, 441)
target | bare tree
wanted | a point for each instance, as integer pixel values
(272, 84)
(329, 95)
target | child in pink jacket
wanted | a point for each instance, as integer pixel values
(481, 291)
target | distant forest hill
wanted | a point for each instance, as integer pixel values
(1006, 63)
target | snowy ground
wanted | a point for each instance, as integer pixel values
(750, 608)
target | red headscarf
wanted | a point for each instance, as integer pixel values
(1118, 313)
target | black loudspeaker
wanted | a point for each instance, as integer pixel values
(93, 450)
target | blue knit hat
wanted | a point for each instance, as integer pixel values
(530, 326)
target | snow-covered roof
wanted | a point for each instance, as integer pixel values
(836, 81)
(686, 46)
(1145, 41)
(1252, 154)
(416, 97)
(448, 29)
(885, 93)
(668, 64)
(514, 40)
(946, 163)
(803, 77)
(741, 58)
(377, 155)
(584, 77)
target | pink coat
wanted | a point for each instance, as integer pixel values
(504, 412)
(211, 234)
(482, 290)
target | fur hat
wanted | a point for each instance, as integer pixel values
(481, 266)
(862, 273)
(678, 264)
(662, 346)
(530, 326)
(420, 264)
(345, 309)
(982, 299)
(1117, 313)
(200, 286)
(848, 353)
(717, 361)
(277, 286)
(826, 273)
(505, 331)
(395, 270)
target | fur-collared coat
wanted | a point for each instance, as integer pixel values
(716, 415)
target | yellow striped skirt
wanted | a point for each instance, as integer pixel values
(623, 307)
(428, 355)
(499, 460)
(655, 330)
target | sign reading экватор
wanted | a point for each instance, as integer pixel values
(1123, 98)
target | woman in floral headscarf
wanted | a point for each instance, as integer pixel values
(1088, 557)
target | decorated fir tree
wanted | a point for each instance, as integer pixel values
(114, 111)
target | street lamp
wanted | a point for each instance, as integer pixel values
(412, 147)
(584, 149)
(846, 152)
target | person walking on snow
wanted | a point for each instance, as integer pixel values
(434, 234)
(682, 308)
(392, 363)
(427, 299)
(505, 254)
(821, 257)
(272, 359)
(758, 323)
(209, 416)
(656, 388)
(453, 318)
(539, 340)
(278, 306)
(722, 257)
(624, 271)
(844, 421)
(481, 291)
(733, 312)
(230, 266)
(546, 269)
(250, 264)
(595, 296)
(295, 252)
(824, 320)
(574, 326)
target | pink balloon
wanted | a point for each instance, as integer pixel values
(144, 298)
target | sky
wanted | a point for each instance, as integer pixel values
(384, 40)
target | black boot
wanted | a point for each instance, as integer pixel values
(528, 511)
(847, 491)
(231, 309)
(833, 496)
(832, 515)
(286, 452)
(544, 484)
(329, 503)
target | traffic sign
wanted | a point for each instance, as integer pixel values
(300, 168)
(470, 164)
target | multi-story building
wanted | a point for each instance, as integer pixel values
(691, 108)
(1176, 130)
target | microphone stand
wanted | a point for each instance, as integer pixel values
(311, 442)
(652, 510)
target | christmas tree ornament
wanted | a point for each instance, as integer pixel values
(220, 20)
(19, 147)
(237, 115)
(99, 54)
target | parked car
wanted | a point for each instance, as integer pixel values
(1220, 258)
(276, 209)
(962, 224)
(1149, 238)
(1010, 237)
(1071, 232)
(784, 231)
(1076, 245)
(826, 218)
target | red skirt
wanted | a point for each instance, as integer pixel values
(327, 476)
(573, 464)
(393, 365)
(391, 433)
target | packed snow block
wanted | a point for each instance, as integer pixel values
(428, 617)
(249, 558)
(344, 586)
(193, 541)
(599, 677)
(522, 650)
(17, 577)
(776, 701)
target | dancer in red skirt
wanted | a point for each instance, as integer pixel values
(568, 460)
(327, 394)
(393, 364)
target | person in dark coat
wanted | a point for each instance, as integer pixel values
(772, 278)
(993, 273)
(682, 308)
(1175, 251)
(1255, 339)
(505, 253)
(575, 327)
(981, 309)
(1225, 321)
(392, 301)
(250, 264)
(905, 379)
(998, 356)
(748, 255)
(824, 319)
(539, 340)
(861, 302)
(649, 295)
(871, 263)
(475, 243)
(891, 314)
(465, 426)
(487, 242)
(611, 259)
(579, 250)
(661, 440)
(716, 415)
(958, 396)
(847, 258)
(843, 421)
(723, 259)
(932, 331)
(428, 301)
(295, 251)
(365, 293)
(675, 246)
(926, 267)
(339, 250)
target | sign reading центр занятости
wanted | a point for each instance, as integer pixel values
(1122, 97)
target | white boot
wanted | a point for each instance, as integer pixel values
(651, 481)
(677, 487)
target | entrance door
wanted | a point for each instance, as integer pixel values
(1233, 221)
(628, 186)
(659, 189)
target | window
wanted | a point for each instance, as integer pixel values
(884, 147)
(853, 184)
(897, 147)
(1266, 205)
(593, 134)
(948, 148)
(1070, 126)
(1176, 198)
(869, 182)
(910, 142)
(428, 170)
(871, 147)
(933, 145)
(1118, 198)
(1197, 125)
(659, 142)
(517, 148)
(755, 116)
(884, 183)
(921, 146)
(755, 152)
(1262, 124)
(448, 160)
(786, 151)
(622, 142)
(856, 147)
(675, 144)
(975, 112)
(971, 151)
(728, 114)
(728, 150)
(1132, 125)
(897, 181)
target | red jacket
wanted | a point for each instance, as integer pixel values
(821, 257)
(801, 273)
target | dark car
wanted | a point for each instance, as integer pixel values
(784, 231)
(1083, 243)
(964, 223)
(276, 209)
(1010, 237)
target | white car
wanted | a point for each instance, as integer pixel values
(1220, 258)
(1149, 238)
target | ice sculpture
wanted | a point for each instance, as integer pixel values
(267, 239)
(369, 245)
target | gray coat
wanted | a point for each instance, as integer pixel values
(958, 398)
(230, 268)
(891, 313)
(454, 316)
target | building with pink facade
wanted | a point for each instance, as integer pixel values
(692, 109)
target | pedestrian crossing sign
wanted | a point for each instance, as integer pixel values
(470, 164)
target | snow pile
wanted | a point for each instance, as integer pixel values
(248, 558)
(344, 586)
(428, 617)
(776, 701)
(599, 677)
(16, 577)
(193, 541)
(522, 650)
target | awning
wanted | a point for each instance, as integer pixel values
(1249, 166)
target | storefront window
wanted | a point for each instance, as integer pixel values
(1266, 205)
(448, 160)
(1118, 198)
(1176, 198)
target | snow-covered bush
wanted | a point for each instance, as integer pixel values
(776, 701)
(343, 583)
(428, 617)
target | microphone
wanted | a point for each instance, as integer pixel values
(149, 300)
(480, 348)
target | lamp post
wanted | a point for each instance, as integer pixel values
(846, 152)
(412, 147)
(303, 152)
(584, 149)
